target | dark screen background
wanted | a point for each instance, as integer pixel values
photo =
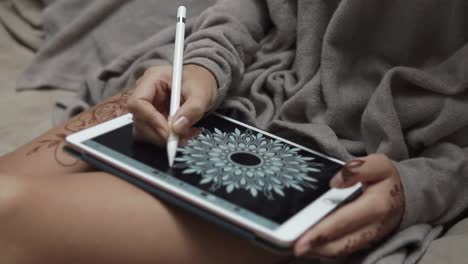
(278, 210)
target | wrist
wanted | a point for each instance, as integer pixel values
(207, 78)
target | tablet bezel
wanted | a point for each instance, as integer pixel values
(283, 236)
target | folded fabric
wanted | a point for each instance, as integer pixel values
(349, 77)
(22, 18)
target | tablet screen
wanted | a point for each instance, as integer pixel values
(236, 167)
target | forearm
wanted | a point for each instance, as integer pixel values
(225, 39)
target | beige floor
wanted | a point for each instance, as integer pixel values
(24, 115)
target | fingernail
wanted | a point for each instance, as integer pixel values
(349, 169)
(180, 123)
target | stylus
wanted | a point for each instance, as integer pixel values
(173, 140)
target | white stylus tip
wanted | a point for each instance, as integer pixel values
(171, 151)
(181, 11)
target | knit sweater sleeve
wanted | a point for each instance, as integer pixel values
(225, 38)
(436, 185)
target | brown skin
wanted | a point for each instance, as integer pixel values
(45, 153)
(364, 222)
(56, 209)
(356, 226)
(150, 102)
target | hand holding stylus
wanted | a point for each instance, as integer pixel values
(149, 103)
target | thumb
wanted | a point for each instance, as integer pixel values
(188, 114)
(367, 170)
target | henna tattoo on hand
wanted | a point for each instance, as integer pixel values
(397, 205)
(366, 240)
(319, 240)
(389, 223)
(97, 114)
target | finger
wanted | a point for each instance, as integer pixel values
(162, 98)
(189, 113)
(367, 170)
(152, 77)
(141, 102)
(347, 219)
(143, 132)
(363, 238)
(146, 113)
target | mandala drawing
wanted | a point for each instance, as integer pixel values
(248, 161)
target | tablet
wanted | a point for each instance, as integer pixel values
(268, 186)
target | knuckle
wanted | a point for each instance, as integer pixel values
(380, 157)
(162, 83)
(138, 82)
(132, 104)
(151, 70)
(158, 72)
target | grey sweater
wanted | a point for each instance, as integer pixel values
(348, 77)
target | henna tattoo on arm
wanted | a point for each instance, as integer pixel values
(100, 113)
(390, 221)
(55, 143)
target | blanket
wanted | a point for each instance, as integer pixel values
(23, 116)
(347, 77)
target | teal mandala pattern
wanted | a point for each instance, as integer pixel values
(248, 161)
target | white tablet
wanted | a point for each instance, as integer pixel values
(271, 187)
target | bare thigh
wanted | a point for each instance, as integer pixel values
(45, 156)
(94, 217)
(68, 211)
